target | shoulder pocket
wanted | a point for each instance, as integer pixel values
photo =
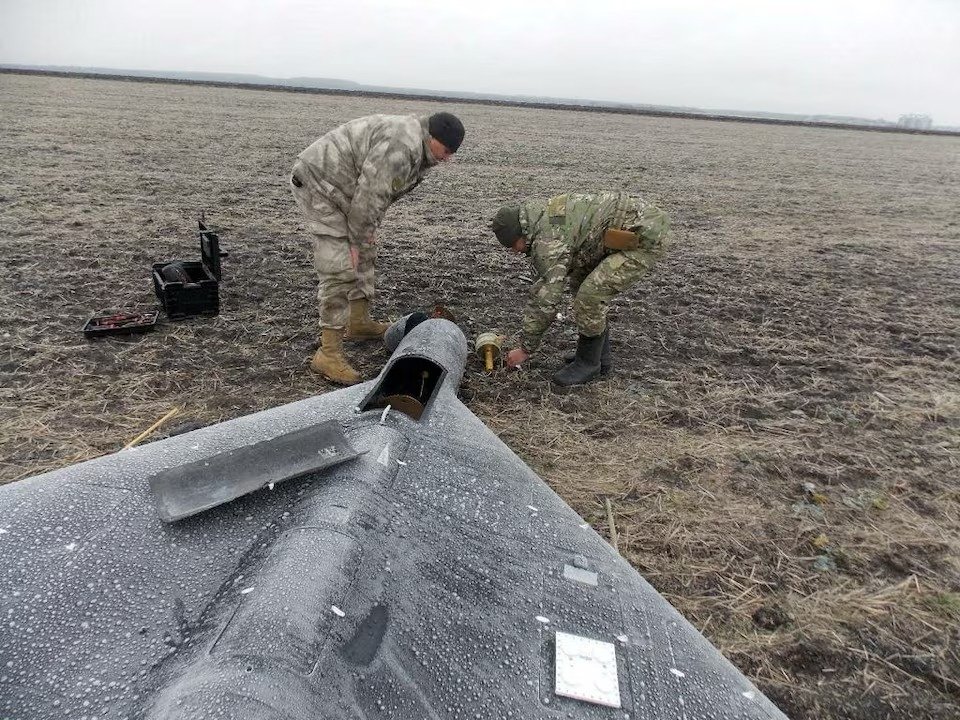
(615, 261)
(557, 210)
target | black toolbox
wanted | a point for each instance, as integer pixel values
(187, 288)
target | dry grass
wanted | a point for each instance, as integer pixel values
(720, 522)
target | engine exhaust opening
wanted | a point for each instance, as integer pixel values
(409, 386)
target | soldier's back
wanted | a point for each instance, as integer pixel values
(338, 156)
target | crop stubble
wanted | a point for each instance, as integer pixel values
(804, 329)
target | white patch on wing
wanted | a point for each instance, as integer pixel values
(587, 670)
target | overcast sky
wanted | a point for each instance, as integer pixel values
(869, 58)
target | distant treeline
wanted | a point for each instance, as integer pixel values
(653, 112)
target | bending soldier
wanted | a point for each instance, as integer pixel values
(601, 244)
(344, 183)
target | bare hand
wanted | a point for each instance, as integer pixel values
(354, 257)
(516, 357)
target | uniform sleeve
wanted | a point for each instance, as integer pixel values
(546, 293)
(385, 170)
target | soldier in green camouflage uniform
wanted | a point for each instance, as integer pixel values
(564, 238)
(344, 183)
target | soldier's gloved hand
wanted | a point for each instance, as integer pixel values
(516, 357)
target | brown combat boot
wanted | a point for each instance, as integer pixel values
(361, 327)
(329, 360)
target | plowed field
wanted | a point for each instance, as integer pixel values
(779, 441)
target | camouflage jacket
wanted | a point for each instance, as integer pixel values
(566, 243)
(366, 164)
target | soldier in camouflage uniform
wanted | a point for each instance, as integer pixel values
(344, 183)
(574, 238)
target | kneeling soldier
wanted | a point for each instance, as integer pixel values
(601, 243)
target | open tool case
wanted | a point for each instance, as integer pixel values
(187, 288)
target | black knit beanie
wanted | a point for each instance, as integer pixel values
(447, 129)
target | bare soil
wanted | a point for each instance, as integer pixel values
(779, 442)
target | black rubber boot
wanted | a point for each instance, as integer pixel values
(585, 366)
(606, 362)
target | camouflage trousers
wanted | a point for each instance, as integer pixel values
(339, 283)
(619, 271)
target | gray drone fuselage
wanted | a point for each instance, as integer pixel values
(434, 576)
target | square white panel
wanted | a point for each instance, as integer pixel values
(587, 670)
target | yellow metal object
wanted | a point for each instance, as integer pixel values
(488, 347)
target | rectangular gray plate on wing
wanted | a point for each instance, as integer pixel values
(188, 489)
